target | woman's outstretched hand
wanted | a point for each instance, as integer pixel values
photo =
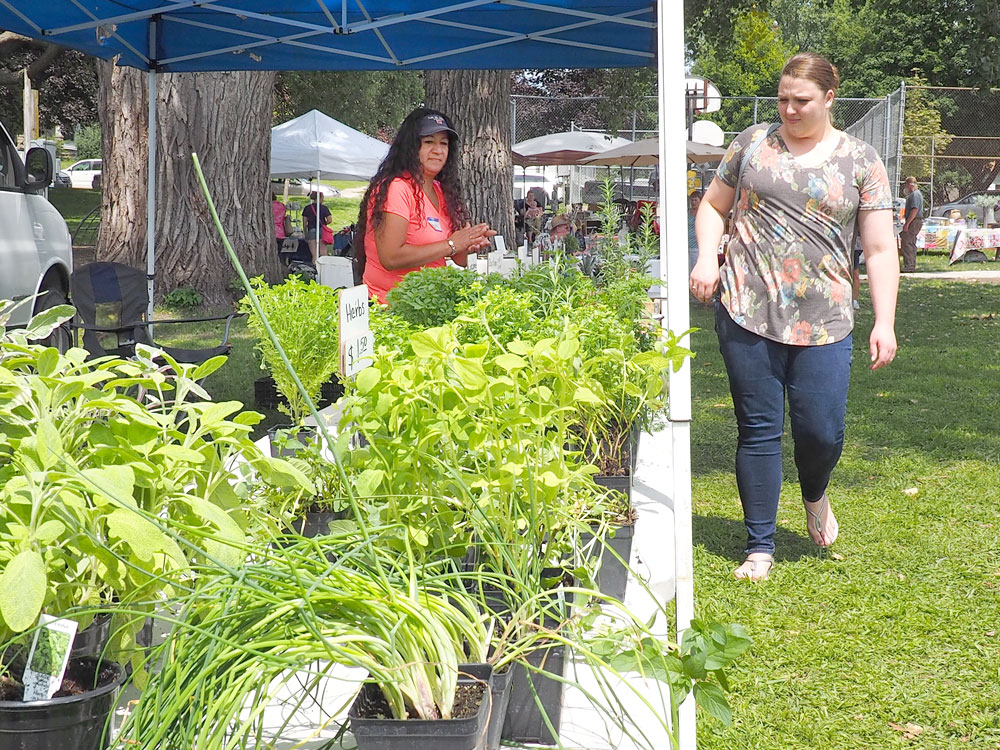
(472, 237)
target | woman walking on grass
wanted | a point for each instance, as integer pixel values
(785, 317)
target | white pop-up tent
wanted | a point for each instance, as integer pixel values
(315, 146)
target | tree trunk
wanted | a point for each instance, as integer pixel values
(478, 101)
(223, 117)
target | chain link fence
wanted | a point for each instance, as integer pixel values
(952, 147)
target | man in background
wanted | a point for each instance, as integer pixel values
(913, 220)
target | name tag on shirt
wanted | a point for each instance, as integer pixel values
(435, 223)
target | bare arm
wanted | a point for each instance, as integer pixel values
(879, 246)
(394, 253)
(709, 226)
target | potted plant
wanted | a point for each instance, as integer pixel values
(289, 615)
(303, 318)
(96, 458)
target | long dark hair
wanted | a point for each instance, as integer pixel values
(404, 159)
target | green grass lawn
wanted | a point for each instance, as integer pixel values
(74, 205)
(900, 622)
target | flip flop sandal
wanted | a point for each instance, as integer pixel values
(817, 518)
(756, 567)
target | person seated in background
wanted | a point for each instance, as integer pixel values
(559, 228)
(533, 212)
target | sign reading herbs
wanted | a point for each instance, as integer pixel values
(356, 341)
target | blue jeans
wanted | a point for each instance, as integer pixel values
(761, 374)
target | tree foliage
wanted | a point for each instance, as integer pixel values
(749, 66)
(921, 125)
(66, 81)
(88, 142)
(373, 102)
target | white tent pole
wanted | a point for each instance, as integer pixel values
(151, 192)
(317, 215)
(674, 273)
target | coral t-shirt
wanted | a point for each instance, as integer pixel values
(426, 225)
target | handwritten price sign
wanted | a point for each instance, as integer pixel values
(356, 353)
(357, 344)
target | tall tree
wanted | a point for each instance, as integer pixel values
(479, 103)
(223, 117)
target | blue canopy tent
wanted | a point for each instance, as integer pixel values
(204, 35)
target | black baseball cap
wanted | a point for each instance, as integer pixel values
(431, 124)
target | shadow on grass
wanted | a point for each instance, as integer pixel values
(726, 537)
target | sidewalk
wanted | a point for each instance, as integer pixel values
(987, 277)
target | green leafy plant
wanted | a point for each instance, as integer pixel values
(95, 455)
(303, 317)
(183, 298)
(500, 315)
(430, 296)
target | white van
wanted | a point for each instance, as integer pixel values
(35, 245)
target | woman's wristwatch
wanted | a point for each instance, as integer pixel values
(452, 249)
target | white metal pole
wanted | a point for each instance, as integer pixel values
(151, 189)
(674, 278)
(316, 206)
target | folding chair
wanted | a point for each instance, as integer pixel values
(111, 299)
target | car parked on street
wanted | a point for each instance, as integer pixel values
(35, 249)
(85, 174)
(968, 203)
(61, 180)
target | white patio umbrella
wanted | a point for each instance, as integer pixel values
(563, 148)
(645, 153)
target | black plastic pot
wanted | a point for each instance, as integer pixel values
(612, 577)
(265, 393)
(424, 734)
(92, 639)
(621, 483)
(524, 721)
(316, 523)
(500, 687)
(77, 722)
(304, 435)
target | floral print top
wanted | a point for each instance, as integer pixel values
(787, 275)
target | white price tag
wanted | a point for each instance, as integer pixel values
(47, 658)
(353, 309)
(356, 353)
(500, 244)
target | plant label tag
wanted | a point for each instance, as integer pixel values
(482, 266)
(48, 657)
(352, 311)
(534, 255)
(500, 244)
(522, 252)
(356, 353)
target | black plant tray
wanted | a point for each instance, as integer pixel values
(266, 396)
(524, 722)
(424, 734)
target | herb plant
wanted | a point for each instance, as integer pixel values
(430, 296)
(303, 316)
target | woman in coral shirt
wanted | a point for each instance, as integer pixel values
(409, 214)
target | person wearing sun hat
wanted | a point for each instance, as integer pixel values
(413, 214)
(559, 227)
